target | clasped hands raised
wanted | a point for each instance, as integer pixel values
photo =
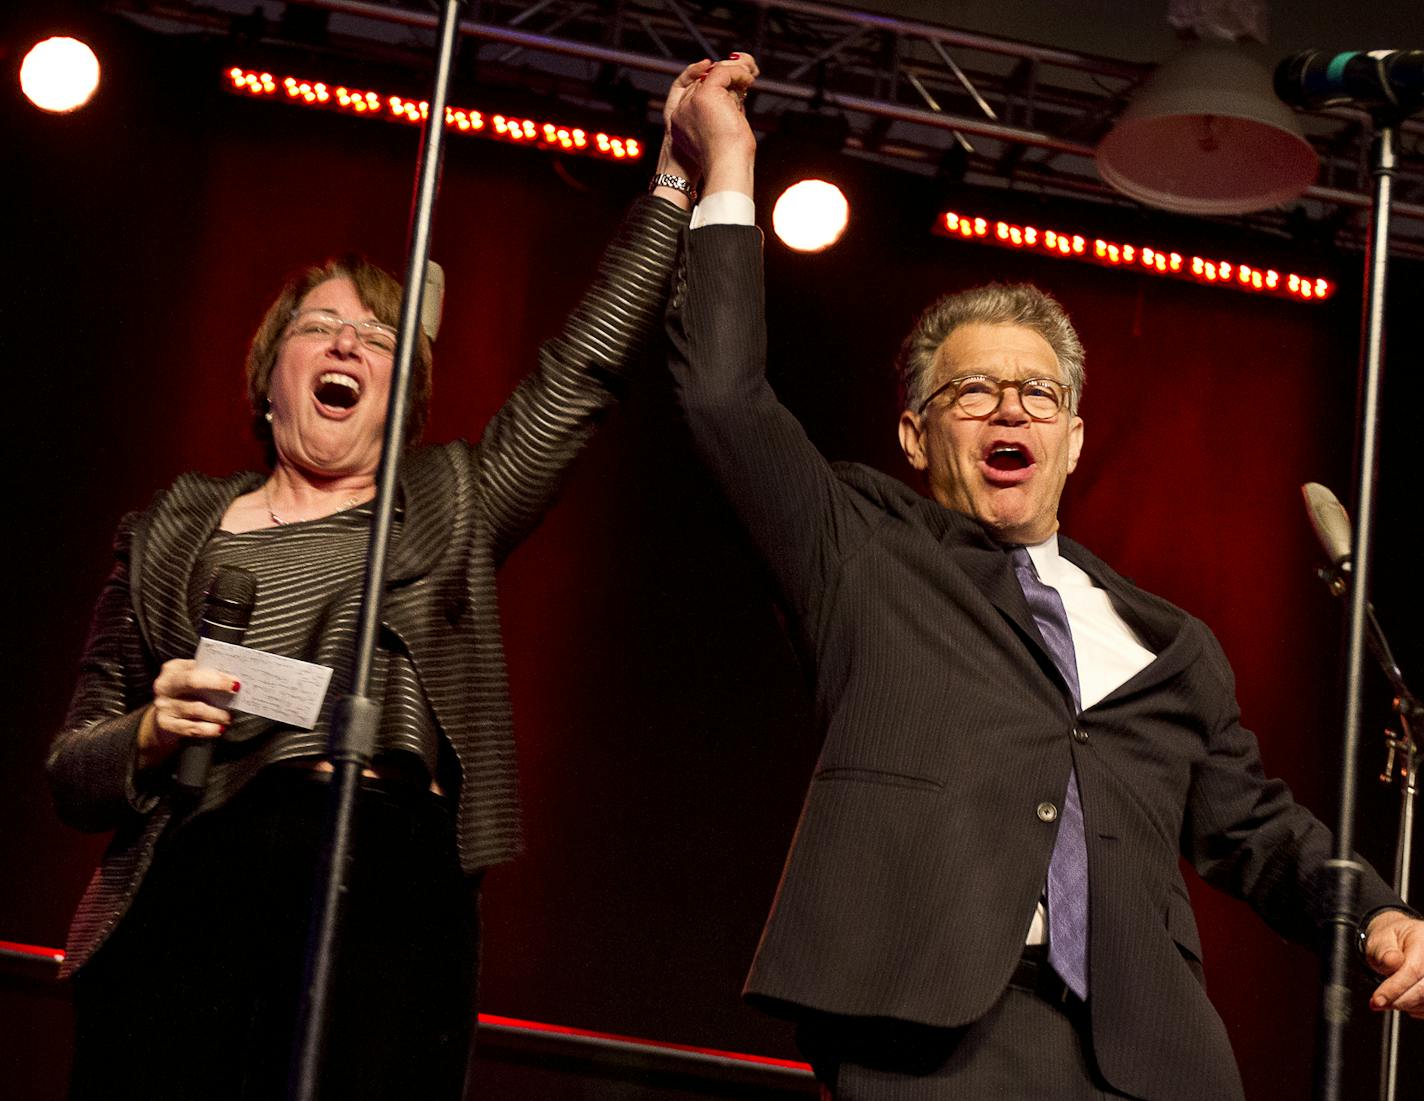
(706, 135)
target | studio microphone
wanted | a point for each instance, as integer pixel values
(1358, 78)
(227, 610)
(432, 300)
(1331, 524)
(1332, 527)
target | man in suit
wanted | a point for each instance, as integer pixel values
(983, 896)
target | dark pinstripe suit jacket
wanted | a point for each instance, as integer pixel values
(920, 851)
(465, 507)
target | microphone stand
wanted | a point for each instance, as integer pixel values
(1343, 870)
(354, 721)
(1401, 758)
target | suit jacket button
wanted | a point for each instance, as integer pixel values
(1047, 812)
(1080, 735)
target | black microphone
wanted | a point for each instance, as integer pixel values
(1358, 78)
(227, 610)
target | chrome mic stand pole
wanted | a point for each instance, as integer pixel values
(1345, 869)
(354, 722)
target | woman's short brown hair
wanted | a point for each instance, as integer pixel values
(379, 292)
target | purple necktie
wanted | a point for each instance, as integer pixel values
(1068, 866)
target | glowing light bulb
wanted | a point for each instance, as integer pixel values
(811, 215)
(59, 75)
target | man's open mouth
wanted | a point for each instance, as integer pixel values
(337, 390)
(1006, 457)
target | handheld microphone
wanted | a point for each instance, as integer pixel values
(227, 610)
(1375, 78)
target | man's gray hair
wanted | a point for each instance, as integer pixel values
(993, 304)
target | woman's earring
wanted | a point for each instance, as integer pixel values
(268, 414)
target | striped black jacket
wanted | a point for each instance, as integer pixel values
(465, 507)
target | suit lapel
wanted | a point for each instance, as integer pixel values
(987, 566)
(1158, 623)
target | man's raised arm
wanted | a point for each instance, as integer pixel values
(780, 486)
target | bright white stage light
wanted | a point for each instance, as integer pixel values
(810, 215)
(59, 74)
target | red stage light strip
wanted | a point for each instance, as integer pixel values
(521, 131)
(651, 1046)
(1139, 257)
(30, 952)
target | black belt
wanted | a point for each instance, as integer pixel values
(1034, 975)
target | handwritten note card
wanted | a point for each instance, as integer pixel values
(273, 687)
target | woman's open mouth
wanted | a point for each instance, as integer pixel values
(337, 392)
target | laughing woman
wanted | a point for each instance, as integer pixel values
(187, 948)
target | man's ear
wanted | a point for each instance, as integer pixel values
(1075, 443)
(912, 439)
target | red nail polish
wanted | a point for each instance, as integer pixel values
(222, 728)
(733, 57)
(236, 686)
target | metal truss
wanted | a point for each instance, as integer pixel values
(930, 99)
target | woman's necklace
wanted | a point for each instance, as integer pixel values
(351, 502)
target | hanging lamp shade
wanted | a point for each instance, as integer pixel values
(1207, 135)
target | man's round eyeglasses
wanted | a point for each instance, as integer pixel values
(375, 335)
(980, 395)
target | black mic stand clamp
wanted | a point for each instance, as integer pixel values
(1400, 752)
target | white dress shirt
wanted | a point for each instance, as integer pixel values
(1109, 652)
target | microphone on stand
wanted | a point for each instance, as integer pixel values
(1332, 528)
(227, 610)
(1358, 78)
(432, 300)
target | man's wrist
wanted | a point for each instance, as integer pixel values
(1362, 930)
(733, 172)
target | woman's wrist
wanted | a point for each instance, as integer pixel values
(148, 748)
(668, 166)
